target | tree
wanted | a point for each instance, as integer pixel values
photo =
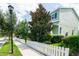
(11, 18)
(40, 25)
(2, 22)
(22, 30)
(7, 24)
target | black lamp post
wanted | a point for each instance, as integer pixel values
(11, 27)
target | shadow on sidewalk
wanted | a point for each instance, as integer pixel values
(19, 41)
(22, 46)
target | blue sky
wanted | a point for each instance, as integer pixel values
(23, 9)
(48, 6)
(51, 6)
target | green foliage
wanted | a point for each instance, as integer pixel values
(48, 39)
(8, 21)
(57, 38)
(40, 25)
(1, 35)
(22, 30)
(2, 21)
(57, 44)
(72, 42)
(5, 24)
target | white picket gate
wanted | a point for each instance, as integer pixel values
(49, 50)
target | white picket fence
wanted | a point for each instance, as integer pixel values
(49, 50)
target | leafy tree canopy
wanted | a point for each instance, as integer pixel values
(41, 25)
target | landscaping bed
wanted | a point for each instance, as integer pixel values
(4, 51)
(57, 44)
(71, 42)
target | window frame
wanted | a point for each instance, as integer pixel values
(54, 16)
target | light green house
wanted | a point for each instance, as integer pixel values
(65, 21)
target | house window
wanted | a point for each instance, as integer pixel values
(54, 16)
(66, 34)
(60, 30)
(72, 32)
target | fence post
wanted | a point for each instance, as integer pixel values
(53, 50)
(62, 51)
(66, 51)
(59, 51)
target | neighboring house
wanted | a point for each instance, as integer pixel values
(65, 21)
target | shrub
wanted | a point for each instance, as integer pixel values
(57, 38)
(47, 42)
(72, 42)
(48, 37)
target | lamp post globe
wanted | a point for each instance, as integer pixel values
(10, 7)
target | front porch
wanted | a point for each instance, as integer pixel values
(55, 29)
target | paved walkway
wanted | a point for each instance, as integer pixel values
(2, 41)
(25, 50)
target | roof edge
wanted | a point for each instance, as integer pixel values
(67, 8)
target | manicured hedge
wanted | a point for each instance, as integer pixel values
(47, 39)
(72, 42)
(57, 38)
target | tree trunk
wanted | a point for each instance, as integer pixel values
(25, 40)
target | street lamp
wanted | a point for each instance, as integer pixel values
(11, 27)
(10, 7)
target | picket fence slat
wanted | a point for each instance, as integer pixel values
(49, 50)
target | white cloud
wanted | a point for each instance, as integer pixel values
(3, 6)
(21, 9)
(39, 1)
(28, 6)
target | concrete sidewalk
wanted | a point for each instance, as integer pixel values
(25, 50)
(2, 41)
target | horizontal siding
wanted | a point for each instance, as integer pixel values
(68, 21)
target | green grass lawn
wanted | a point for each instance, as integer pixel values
(1, 36)
(4, 51)
(57, 44)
